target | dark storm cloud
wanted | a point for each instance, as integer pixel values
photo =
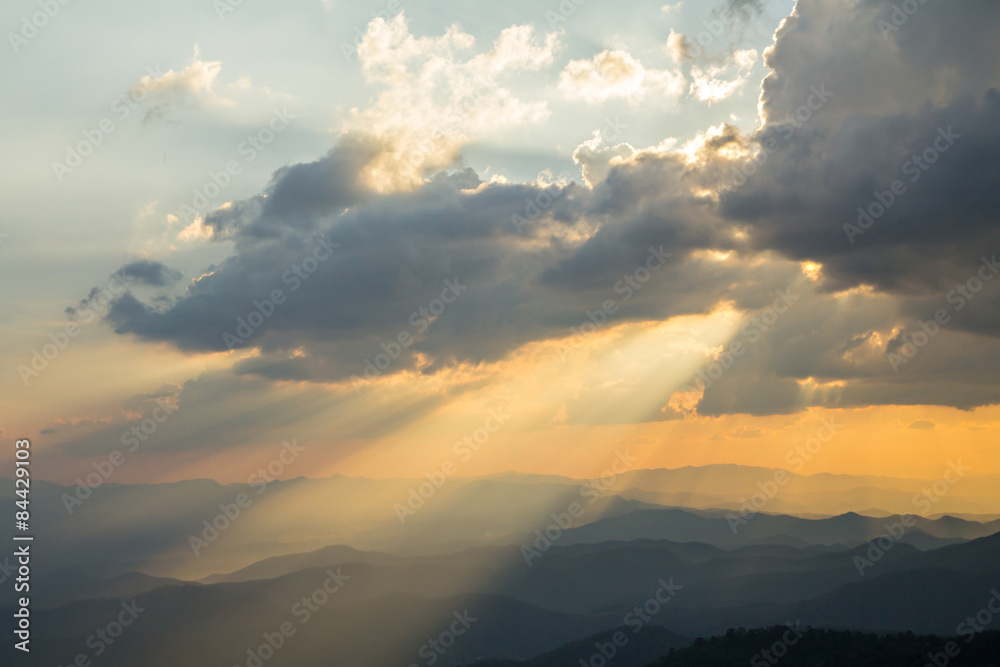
(942, 52)
(902, 86)
(805, 200)
(388, 257)
(901, 99)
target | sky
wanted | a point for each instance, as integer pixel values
(505, 236)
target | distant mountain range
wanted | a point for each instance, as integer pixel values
(497, 510)
(513, 569)
(724, 530)
(791, 647)
(573, 596)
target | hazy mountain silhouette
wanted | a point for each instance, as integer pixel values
(641, 649)
(390, 606)
(738, 648)
(107, 527)
(731, 530)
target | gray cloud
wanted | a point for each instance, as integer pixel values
(893, 92)
(934, 232)
(146, 272)
(395, 252)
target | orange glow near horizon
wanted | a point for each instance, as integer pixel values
(569, 405)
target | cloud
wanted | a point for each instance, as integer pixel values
(922, 424)
(617, 75)
(707, 86)
(191, 86)
(396, 250)
(857, 342)
(196, 230)
(888, 101)
(146, 272)
(597, 160)
(401, 230)
(745, 58)
(747, 7)
(435, 100)
(938, 57)
(678, 46)
(242, 83)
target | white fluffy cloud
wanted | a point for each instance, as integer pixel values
(435, 100)
(616, 74)
(190, 86)
(708, 84)
(597, 160)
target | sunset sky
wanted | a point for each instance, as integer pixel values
(700, 232)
